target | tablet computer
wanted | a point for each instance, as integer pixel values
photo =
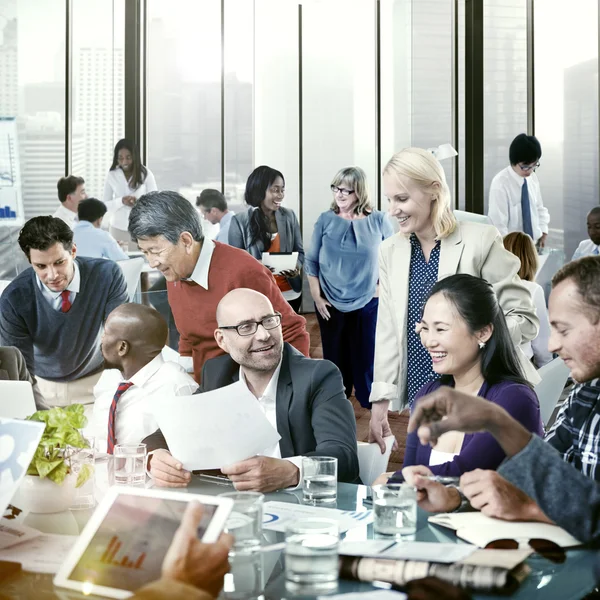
(123, 545)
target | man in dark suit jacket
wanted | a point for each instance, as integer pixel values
(13, 368)
(310, 409)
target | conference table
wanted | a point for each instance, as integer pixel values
(262, 576)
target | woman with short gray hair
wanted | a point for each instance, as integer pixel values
(343, 275)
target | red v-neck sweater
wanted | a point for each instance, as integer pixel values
(195, 308)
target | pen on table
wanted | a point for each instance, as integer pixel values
(272, 547)
(442, 479)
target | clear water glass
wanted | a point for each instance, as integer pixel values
(83, 459)
(395, 509)
(319, 479)
(129, 464)
(311, 555)
(245, 521)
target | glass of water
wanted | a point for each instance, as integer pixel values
(245, 521)
(395, 509)
(82, 463)
(311, 555)
(129, 464)
(319, 479)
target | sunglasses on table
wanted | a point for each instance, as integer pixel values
(546, 548)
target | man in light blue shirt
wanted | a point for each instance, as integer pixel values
(590, 247)
(92, 241)
(213, 206)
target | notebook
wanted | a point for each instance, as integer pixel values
(476, 528)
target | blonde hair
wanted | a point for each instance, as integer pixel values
(522, 246)
(426, 171)
(356, 179)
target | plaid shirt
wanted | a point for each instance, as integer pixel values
(576, 432)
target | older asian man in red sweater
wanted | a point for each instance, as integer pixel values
(199, 272)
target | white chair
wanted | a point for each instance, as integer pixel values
(554, 376)
(371, 463)
(132, 269)
(462, 215)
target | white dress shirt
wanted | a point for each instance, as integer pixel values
(134, 419)
(53, 298)
(115, 188)
(68, 216)
(223, 235)
(268, 403)
(538, 347)
(586, 248)
(504, 209)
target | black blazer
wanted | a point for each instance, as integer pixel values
(314, 417)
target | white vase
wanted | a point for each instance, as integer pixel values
(39, 495)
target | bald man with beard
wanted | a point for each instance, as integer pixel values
(134, 336)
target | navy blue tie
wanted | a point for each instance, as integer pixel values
(526, 210)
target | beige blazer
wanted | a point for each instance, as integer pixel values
(472, 248)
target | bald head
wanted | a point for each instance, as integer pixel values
(242, 304)
(142, 327)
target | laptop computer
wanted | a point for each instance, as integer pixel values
(16, 399)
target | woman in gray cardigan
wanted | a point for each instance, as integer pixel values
(268, 227)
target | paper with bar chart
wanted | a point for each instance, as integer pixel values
(129, 546)
(11, 200)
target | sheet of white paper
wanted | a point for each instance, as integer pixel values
(214, 429)
(372, 462)
(423, 551)
(276, 515)
(15, 533)
(44, 554)
(280, 262)
(375, 595)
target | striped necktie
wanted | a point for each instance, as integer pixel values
(112, 440)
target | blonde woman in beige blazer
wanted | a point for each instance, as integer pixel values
(416, 187)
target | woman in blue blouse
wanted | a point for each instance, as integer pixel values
(464, 331)
(341, 266)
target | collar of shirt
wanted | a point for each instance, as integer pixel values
(515, 175)
(226, 218)
(269, 396)
(72, 287)
(145, 373)
(84, 225)
(68, 216)
(200, 273)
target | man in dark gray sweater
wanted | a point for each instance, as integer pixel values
(54, 312)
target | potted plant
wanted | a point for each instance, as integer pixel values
(50, 483)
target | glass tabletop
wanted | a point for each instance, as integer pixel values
(262, 576)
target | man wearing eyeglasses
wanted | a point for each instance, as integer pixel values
(303, 398)
(515, 200)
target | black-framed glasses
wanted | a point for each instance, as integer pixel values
(344, 192)
(529, 167)
(250, 327)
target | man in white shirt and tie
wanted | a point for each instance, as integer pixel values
(71, 191)
(303, 398)
(134, 336)
(213, 206)
(515, 200)
(590, 247)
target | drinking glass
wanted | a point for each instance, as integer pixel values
(319, 479)
(395, 509)
(245, 521)
(129, 464)
(83, 458)
(311, 555)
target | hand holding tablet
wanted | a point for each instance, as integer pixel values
(135, 535)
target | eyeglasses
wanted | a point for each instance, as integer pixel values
(546, 548)
(335, 189)
(251, 327)
(529, 167)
